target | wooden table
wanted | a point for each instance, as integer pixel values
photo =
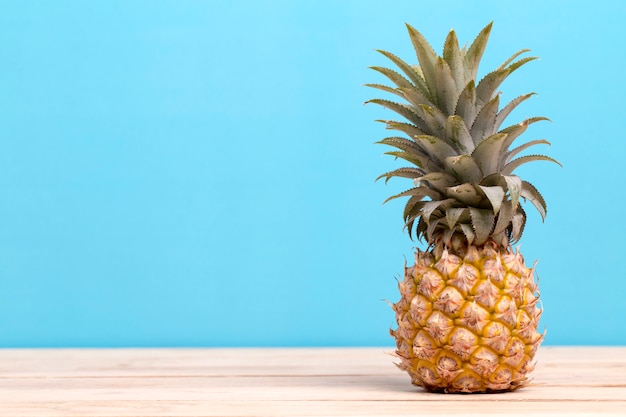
(572, 381)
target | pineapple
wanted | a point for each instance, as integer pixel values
(468, 314)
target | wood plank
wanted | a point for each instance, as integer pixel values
(292, 408)
(287, 382)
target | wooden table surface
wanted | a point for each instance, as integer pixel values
(568, 381)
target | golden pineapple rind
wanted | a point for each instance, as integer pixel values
(468, 322)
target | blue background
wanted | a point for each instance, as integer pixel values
(201, 173)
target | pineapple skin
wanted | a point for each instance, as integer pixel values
(467, 320)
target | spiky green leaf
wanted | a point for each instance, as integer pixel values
(514, 188)
(464, 168)
(413, 207)
(431, 206)
(416, 98)
(403, 173)
(516, 163)
(504, 218)
(506, 110)
(410, 129)
(468, 231)
(403, 144)
(404, 110)
(438, 180)
(419, 160)
(454, 215)
(518, 222)
(432, 228)
(486, 88)
(529, 192)
(488, 153)
(416, 191)
(475, 52)
(387, 89)
(394, 77)
(458, 134)
(465, 194)
(435, 147)
(515, 55)
(454, 58)
(466, 104)
(445, 86)
(514, 131)
(485, 120)
(435, 120)
(427, 58)
(410, 72)
(482, 222)
(495, 195)
(509, 155)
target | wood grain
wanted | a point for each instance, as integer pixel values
(572, 381)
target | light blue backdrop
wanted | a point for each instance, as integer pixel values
(201, 173)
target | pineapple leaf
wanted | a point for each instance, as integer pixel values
(506, 110)
(435, 147)
(386, 89)
(458, 135)
(432, 227)
(409, 71)
(435, 120)
(511, 166)
(403, 144)
(420, 229)
(515, 55)
(427, 58)
(514, 131)
(448, 234)
(485, 120)
(475, 52)
(431, 206)
(464, 168)
(465, 106)
(487, 86)
(445, 86)
(514, 187)
(403, 110)
(453, 216)
(521, 148)
(402, 172)
(482, 222)
(413, 206)
(416, 98)
(465, 194)
(494, 180)
(419, 160)
(518, 221)
(438, 180)
(453, 56)
(495, 195)
(504, 218)
(422, 192)
(394, 77)
(468, 231)
(420, 155)
(529, 192)
(463, 159)
(487, 153)
(515, 65)
(408, 128)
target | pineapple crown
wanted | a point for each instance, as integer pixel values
(465, 191)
